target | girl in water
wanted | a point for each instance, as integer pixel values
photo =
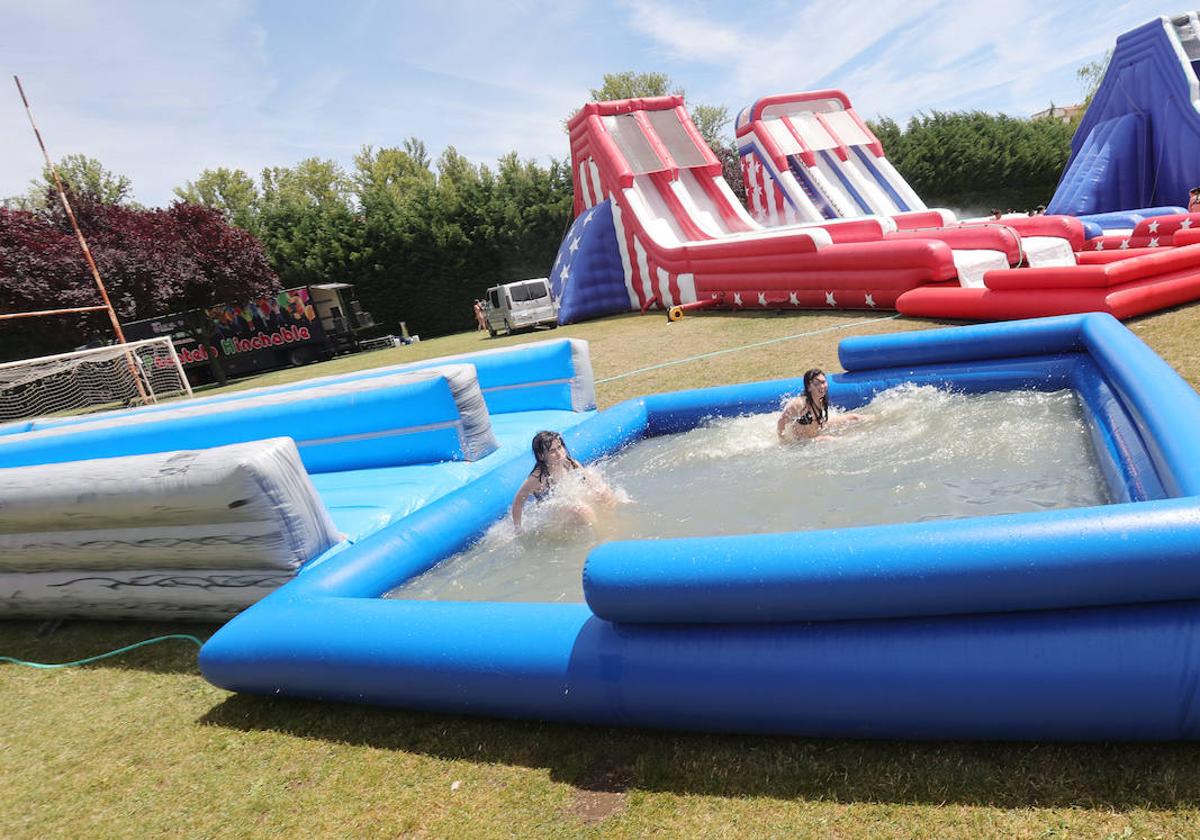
(554, 463)
(806, 416)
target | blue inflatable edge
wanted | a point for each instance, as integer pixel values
(1118, 669)
(532, 376)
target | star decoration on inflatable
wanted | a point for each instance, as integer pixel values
(574, 245)
(1100, 245)
(793, 299)
(869, 300)
(1124, 244)
(762, 298)
(1185, 224)
(1153, 226)
(829, 299)
(587, 220)
(737, 299)
(565, 273)
(1154, 242)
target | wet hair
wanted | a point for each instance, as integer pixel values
(821, 412)
(543, 442)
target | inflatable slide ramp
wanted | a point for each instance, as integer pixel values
(1136, 145)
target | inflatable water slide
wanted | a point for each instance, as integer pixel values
(1136, 146)
(658, 227)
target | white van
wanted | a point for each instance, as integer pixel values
(522, 305)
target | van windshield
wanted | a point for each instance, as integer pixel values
(528, 291)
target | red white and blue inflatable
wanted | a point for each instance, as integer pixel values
(657, 227)
(831, 224)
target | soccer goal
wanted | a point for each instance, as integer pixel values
(103, 378)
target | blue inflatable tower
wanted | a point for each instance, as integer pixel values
(1137, 145)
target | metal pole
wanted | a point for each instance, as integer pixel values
(52, 312)
(187, 386)
(87, 253)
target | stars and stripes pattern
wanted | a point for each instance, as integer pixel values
(1157, 232)
(764, 197)
(652, 284)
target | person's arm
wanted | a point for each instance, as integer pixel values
(786, 417)
(519, 501)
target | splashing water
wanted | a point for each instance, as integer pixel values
(920, 454)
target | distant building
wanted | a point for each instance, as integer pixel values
(1065, 113)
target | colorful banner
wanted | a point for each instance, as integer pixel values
(285, 318)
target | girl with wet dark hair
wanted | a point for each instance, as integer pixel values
(807, 415)
(552, 463)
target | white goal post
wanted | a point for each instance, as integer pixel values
(115, 376)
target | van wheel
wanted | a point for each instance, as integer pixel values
(299, 356)
(508, 327)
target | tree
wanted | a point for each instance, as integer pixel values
(631, 85)
(976, 160)
(81, 176)
(307, 222)
(231, 191)
(1090, 76)
(153, 262)
(710, 120)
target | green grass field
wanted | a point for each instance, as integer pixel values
(141, 746)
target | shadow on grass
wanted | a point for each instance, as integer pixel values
(36, 641)
(1115, 777)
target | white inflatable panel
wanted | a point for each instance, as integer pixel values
(972, 264)
(1045, 251)
(249, 505)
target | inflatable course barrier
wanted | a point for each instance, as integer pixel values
(1067, 625)
(142, 529)
(343, 425)
(191, 534)
(1136, 146)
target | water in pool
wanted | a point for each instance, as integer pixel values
(920, 454)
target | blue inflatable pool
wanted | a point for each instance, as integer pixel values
(1075, 624)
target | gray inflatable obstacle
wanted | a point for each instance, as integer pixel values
(188, 534)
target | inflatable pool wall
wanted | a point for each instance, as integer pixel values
(1072, 625)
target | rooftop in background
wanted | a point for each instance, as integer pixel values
(1066, 113)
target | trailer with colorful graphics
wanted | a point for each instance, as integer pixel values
(293, 327)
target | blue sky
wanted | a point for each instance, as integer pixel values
(159, 91)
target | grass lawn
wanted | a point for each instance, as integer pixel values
(141, 746)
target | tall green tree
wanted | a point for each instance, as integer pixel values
(307, 222)
(81, 176)
(232, 191)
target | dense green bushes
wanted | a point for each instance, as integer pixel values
(975, 160)
(420, 239)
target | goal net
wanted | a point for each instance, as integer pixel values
(104, 378)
